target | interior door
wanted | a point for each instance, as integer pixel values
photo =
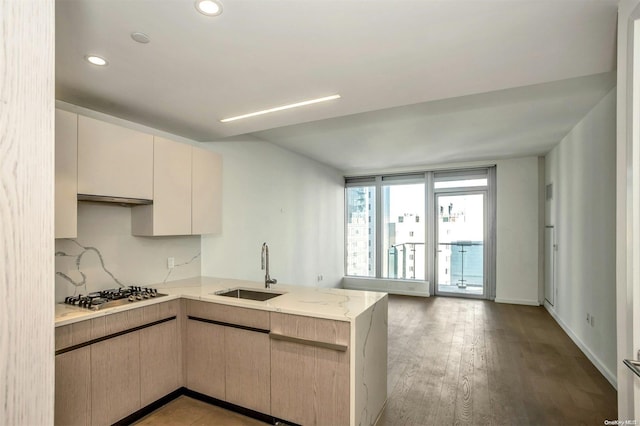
(460, 243)
(549, 265)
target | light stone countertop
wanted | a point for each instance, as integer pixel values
(328, 303)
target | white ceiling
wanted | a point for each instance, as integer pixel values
(452, 61)
(501, 124)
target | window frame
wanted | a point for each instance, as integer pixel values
(429, 178)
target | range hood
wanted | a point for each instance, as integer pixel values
(121, 201)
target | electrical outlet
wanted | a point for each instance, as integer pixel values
(171, 262)
(588, 318)
(593, 320)
(320, 277)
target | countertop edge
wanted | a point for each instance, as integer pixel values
(74, 314)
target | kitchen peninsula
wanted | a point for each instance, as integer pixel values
(308, 356)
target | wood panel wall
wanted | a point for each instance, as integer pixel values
(26, 212)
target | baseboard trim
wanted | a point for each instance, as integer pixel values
(518, 302)
(611, 378)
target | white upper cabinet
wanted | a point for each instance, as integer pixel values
(66, 175)
(206, 204)
(113, 160)
(187, 192)
(170, 213)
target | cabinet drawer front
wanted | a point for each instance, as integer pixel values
(160, 311)
(115, 323)
(312, 330)
(252, 318)
(73, 334)
(85, 331)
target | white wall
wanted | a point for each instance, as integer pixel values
(517, 231)
(582, 169)
(293, 203)
(26, 206)
(132, 260)
(518, 228)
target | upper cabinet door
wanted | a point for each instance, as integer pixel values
(113, 160)
(206, 200)
(66, 181)
(170, 213)
(171, 187)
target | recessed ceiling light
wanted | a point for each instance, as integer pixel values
(96, 60)
(140, 37)
(280, 108)
(209, 7)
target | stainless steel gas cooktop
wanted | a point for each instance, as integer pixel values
(112, 297)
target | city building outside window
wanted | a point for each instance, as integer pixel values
(360, 207)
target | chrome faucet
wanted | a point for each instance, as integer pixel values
(265, 265)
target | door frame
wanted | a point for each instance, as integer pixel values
(485, 236)
(628, 206)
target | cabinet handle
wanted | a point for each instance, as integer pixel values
(111, 336)
(307, 342)
(228, 324)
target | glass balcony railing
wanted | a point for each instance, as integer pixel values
(406, 261)
(461, 266)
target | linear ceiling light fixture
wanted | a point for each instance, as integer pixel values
(280, 108)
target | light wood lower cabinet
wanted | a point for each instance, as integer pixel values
(159, 361)
(205, 358)
(248, 369)
(309, 370)
(73, 387)
(292, 367)
(103, 381)
(228, 354)
(115, 378)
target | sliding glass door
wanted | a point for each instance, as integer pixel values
(460, 243)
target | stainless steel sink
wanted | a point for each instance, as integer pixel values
(249, 293)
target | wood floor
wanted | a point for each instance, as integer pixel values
(474, 362)
(466, 362)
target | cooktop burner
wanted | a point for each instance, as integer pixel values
(112, 297)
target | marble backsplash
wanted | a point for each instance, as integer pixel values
(105, 254)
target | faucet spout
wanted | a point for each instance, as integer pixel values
(265, 266)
